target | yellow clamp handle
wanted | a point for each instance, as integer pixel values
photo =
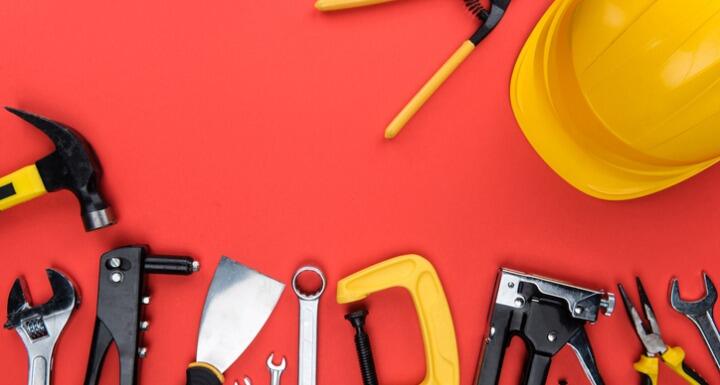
(429, 89)
(649, 367)
(418, 276)
(674, 358)
(20, 186)
(336, 5)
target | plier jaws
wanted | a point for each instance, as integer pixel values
(655, 347)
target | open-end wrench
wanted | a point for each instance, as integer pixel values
(275, 370)
(307, 361)
(700, 312)
(39, 327)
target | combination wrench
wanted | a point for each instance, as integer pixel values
(307, 361)
(700, 312)
(275, 370)
(39, 327)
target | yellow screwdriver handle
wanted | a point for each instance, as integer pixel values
(415, 274)
(429, 89)
(336, 5)
(674, 359)
(20, 186)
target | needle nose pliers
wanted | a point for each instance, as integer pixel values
(655, 347)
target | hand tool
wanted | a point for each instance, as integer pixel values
(276, 371)
(238, 303)
(415, 274)
(363, 347)
(546, 314)
(489, 19)
(121, 296)
(700, 312)
(655, 347)
(307, 348)
(72, 166)
(39, 327)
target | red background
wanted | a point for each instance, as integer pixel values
(254, 129)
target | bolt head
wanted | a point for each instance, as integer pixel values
(115, 262)
(116, 277)
(552, 336)
(146, 300)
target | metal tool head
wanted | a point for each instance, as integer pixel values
(271, 364)
(238, 304)
(72, 166)
(41, 325)
(20, 307)
(698, 307)
(649, 336)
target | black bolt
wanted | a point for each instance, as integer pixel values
(362, 345)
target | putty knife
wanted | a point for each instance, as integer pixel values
(238, 304)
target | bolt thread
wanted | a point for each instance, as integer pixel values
(365, 357)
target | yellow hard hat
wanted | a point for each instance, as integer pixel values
(622, 97)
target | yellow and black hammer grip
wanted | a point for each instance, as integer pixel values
(201, 373)
(20, 186)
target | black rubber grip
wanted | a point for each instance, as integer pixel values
(645, 379)
(198, 375)
(690, 372)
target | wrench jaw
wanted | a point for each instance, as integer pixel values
(18, 303)
(22, 313)
(694, 308)
(40, 327)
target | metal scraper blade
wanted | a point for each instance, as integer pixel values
(238, 304)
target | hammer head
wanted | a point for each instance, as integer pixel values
(72, 166)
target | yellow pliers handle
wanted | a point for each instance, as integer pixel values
(673, 358)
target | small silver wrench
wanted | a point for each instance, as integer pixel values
(39, 327)
(700, 312)
(307, 361)
(275, 370)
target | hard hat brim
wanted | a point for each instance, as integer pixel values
(550, 133)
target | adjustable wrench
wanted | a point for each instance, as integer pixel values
(275, 370)
(700, 312)
(307, 362)
(39, 327)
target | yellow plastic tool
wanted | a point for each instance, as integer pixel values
(417, 275)
(20, 186)
(336, 5)
(618, 106)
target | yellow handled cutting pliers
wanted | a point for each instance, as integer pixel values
(655, 347)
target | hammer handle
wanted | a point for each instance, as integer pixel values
(20, 186)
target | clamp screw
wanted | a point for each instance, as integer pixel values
(146, 300)
(115, 262)
(142, 352)
(362, 345)
(144, 325)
